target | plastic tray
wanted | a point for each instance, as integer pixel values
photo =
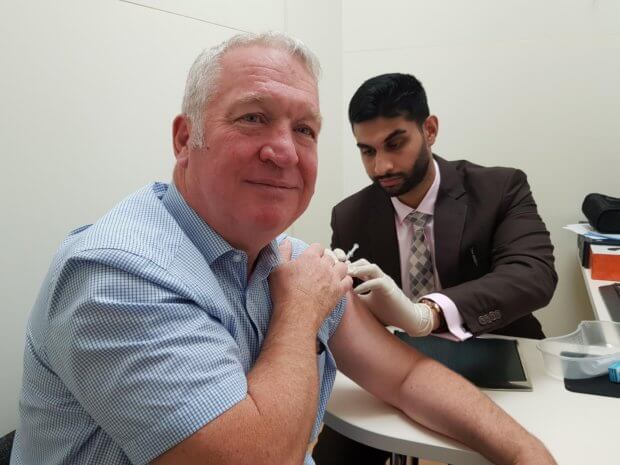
(584, 353)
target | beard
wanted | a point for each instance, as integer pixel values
(409, 180)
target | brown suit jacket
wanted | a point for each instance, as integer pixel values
(493, 253)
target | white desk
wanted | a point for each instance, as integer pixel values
(577, 428)
(592, 285)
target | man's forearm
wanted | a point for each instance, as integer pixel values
(273, 423)
(284, 386)
(426, 391)
(458, 409)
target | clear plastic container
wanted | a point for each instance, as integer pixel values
(584, 353)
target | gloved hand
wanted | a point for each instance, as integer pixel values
(387, 302)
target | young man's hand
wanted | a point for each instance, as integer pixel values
(388, 303)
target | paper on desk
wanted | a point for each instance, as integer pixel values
(584, 229)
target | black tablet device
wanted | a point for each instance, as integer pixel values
(489, 363)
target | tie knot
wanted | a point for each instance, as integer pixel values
(418, 219)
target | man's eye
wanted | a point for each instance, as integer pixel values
(252, 118)
(367, 152)
(394, 146)
(307, 131)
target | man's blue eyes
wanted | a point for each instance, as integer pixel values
(257, 118)
(252, 118)
(307, 131)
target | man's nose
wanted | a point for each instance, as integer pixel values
(280, 149)
(383, 164)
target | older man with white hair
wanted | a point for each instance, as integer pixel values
(181, 328)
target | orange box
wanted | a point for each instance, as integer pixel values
(605, 262)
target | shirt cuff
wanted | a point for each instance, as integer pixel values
(454, 320)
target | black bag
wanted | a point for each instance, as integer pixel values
(603, 212)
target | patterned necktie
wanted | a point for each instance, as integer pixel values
(421, 277)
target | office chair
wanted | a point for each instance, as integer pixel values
(6, 444)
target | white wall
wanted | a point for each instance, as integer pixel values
(88, 92)
(320, 26)
(519, 83)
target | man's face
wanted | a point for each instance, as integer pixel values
(256, 171)
(395, 151)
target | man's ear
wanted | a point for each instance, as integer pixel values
(181, 129)
(431, 128)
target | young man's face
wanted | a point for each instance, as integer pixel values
(396, 152)
(256, 171)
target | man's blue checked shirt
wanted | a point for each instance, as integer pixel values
(144, 331)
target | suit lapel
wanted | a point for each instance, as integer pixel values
(449, 220)
(382, 235)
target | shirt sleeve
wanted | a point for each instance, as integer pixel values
(146, 363)
(454, 320)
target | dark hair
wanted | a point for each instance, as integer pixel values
(389, 96)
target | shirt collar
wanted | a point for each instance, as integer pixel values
(268, 258)
(210, 244)
(427, 205)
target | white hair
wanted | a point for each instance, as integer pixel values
(203, 76)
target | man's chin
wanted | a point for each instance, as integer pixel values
(272, 222)
(393, 191)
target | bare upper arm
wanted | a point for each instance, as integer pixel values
(369, 354)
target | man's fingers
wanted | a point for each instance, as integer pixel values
(346, 284)
(315, 249)
(341, 269)
(286, 250)
(330, 253)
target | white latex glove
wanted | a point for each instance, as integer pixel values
(387, 302)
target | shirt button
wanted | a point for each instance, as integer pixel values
(237, 258)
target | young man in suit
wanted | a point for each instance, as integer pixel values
(460, 248)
